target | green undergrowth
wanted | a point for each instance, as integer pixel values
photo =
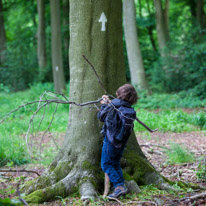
(182, 99)
(171, 120)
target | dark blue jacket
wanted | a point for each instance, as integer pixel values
(108, 113)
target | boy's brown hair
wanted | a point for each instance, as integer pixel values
(128, 93)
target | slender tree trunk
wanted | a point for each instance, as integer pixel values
(41, 35)
(77, 166)
(57, 61)
(137, 71)
(162, 24)
(2, 36)
(66, 24)
(200, 14)
(192, 5)
(151, 28)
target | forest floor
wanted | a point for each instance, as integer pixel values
(153, 145)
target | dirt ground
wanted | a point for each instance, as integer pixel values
(153, 145)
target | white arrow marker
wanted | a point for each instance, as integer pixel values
(103, 20)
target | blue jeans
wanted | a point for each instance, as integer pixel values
(110, 163)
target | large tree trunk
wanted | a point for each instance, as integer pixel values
(2, 35)
(57, 61)
(137, 71)
(77, 166)
(162, 24)
(41, 35)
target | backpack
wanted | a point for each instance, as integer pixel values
(119, 125)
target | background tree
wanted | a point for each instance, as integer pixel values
(200, 15)
(136, 66)
(2, 35)
(162, 23)
(197, 11)
(77, 166)
(57, 61)
(151, 27)
(65, 32)
(41, 35)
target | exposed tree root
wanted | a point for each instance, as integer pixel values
(65, 187)
(88, 192)
(46, 180)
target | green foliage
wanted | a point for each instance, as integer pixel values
(183, 68)
(13, 151)
(178, 154)
(201, 170)
(200, 120)
(21, 66)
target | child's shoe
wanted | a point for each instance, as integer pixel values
(119, 190)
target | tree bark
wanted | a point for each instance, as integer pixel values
(2, 36)
(138, 77)
(77, 166)
(41, 35)
(162, 24)
(57, 59)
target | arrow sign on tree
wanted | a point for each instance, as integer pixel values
(103, 20)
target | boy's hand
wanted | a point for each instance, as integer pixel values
(105, 100)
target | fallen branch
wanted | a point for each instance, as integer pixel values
(21, 170)
(153, 145)
(58, 101)
(132, 202)
(195, 197)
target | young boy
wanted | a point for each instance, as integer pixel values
(113, 147)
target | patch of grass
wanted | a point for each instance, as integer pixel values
(13, 151)
(179, 154)
(201, 170)
(168, 121)
(169, 101)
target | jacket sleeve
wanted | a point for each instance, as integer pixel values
(105, 108)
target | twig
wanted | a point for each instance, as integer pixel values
(144, 125)
(21, 170)
(100, 82)
(48, 128)
(150, 130)
(141, 202)
(20, 198)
